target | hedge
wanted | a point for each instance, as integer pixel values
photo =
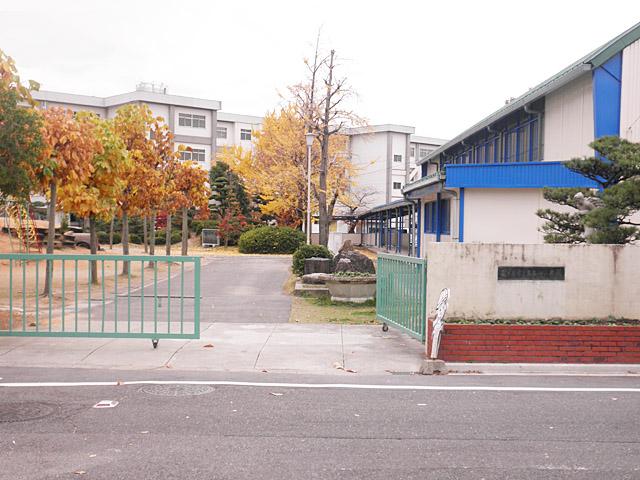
(308, 251)
(270, 240)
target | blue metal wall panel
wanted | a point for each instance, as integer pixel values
(515, 175)
(607, 88)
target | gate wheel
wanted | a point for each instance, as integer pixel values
(154, 342)
(385, 327)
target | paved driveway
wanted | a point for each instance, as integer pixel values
(232, 290)
(245, 289)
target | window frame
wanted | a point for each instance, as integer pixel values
(192, 120)
(245, 132)
(193, 155)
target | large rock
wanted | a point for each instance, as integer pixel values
(317, 265)
(352, 261)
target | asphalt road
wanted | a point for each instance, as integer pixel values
(164, 431)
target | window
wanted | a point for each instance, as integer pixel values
(191, 120)
(515, 140)
(245, 134)
(430, 217)
(445, 221)
(195, 154)
(413, 152)
(221, 132)
(424, 152)
(397, 158)
(397, 185)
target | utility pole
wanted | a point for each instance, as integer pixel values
(309, 138)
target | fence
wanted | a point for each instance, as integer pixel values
(157, 296)
(401, 293)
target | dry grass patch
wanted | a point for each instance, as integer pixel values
(323, 310)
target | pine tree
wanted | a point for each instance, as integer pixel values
(603, 215)
(232, 221)
(224, 182)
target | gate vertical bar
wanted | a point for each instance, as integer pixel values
(196, 296)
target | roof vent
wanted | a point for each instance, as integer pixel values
(152, 87)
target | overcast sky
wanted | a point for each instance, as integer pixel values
(439, 66)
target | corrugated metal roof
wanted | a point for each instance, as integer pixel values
(586, 63)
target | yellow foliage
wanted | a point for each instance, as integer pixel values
(96, 195)
(277, 170)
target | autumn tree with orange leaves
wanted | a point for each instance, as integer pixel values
(143, 181)
(70, 145)
(190, 190)
(96, 196)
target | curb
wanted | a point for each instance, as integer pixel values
(631, 369)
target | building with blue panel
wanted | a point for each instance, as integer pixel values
(486, 184)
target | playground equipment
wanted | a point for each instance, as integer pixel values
(19, 218)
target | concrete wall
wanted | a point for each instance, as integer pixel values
(630, 97)
(600, 280)
(504, 215)
(568, 120)
(369, 155)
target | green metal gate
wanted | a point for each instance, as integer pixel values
(401, 291)
(158, 296)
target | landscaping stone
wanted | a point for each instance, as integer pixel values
(311, 290)
(352, 261)
(315, 278)
(352, 289)
(317, 265)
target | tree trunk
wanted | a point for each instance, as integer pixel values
(152, 241)
(125, 242)
(93, 245)
(167, 244)
(145, 236)
(185, 231)
(323, 220)
(323, 216)
(111, 233)
(51, 236)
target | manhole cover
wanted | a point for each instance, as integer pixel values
(23, 411)
(176, 390)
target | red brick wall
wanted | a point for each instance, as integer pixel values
(539, 344)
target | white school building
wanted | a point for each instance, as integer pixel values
(486, 184)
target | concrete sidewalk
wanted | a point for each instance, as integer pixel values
(281, 347)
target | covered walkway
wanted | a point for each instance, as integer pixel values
(392, 228)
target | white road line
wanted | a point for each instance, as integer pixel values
(345, 386)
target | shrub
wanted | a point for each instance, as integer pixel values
(308, 251)
(198, 225)
(135, 238)
(176, 237)
(103, 238)
(270, 240)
